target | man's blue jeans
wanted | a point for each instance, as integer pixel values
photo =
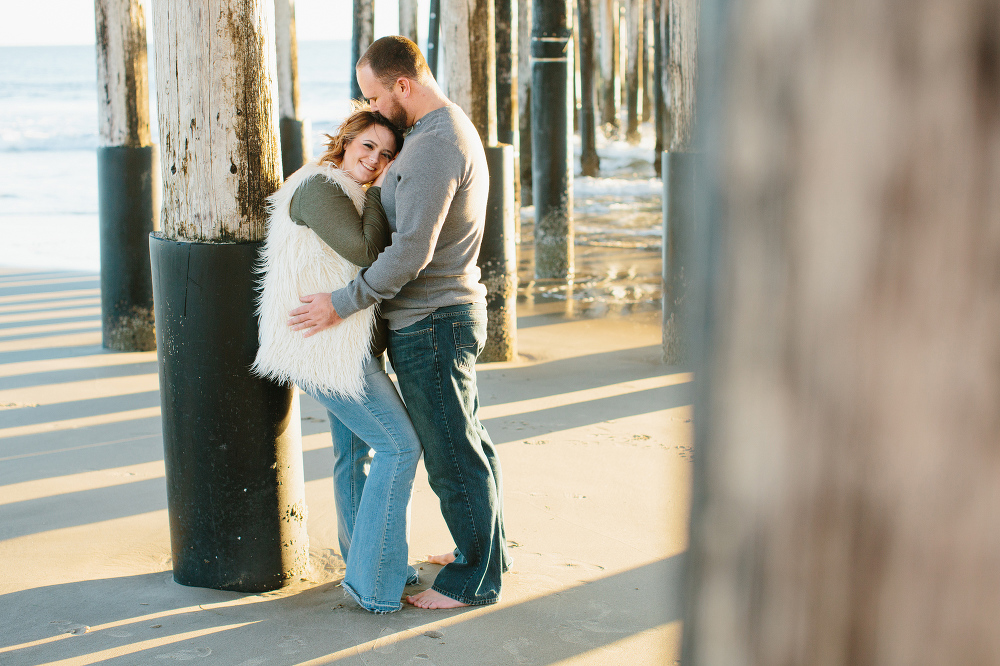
(373, 504)
(435, 364)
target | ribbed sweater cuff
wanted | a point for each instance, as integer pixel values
(342, 304)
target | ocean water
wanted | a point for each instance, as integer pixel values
(48, 178)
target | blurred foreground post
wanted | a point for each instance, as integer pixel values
(846, 483)
(468, 40)
(232, 444)
(128, 179)
(293, 131)
(679, 177)
(552, 137)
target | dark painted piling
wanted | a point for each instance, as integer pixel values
(128, 198)
(433, 35)
(498, 258)
(551, 136)
(680, 193)
(231, 441)
(508, 122)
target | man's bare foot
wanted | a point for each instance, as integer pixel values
(433, 599)
(443, 560)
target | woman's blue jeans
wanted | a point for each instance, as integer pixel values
(435, 364)
(373, 503)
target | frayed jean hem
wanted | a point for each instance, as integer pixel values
(372, 605)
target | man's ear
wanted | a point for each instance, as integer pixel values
(403, 86)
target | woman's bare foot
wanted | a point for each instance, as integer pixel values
(433, 599)
(443, 560)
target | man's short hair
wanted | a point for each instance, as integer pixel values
(392, 57)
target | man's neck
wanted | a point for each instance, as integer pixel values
(428, 98)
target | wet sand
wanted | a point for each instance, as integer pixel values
(594, 436)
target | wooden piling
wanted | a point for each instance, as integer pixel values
(232, 441)
(128, 180)
(679, 179)
(523, 147)
(610, 96)
(362, 36)
(552, 128)
(633, 76)
(433, 36)
(408, 20)
(508, 123)
(294, 132)
(468, 40)
(590, 164)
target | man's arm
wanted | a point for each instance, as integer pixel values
(423, 196)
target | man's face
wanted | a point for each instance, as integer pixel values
(380, 98)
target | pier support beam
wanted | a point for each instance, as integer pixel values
(232, 445)
(294, 132)
(679, 174)
(590, 163)
(362, 36)
(552, 137)
(127, 176)
(468, 38)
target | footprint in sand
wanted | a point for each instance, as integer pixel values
(70, 627)
(514, 648)
(186, 655)
(291, 644)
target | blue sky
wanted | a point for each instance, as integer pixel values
(72, 21)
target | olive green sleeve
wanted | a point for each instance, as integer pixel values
(326, 209)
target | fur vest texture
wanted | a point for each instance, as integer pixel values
(296, 262)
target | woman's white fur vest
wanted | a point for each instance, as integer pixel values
(296, 262)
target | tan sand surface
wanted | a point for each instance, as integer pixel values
(594, 435)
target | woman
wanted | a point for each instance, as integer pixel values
(324, 226)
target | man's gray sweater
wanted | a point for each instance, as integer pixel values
(434, 196)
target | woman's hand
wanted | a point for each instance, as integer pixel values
(378, 180)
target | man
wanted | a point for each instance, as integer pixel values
(427, 281)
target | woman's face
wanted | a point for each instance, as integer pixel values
(369, 153)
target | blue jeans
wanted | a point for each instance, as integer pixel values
(373, 491)
(435, 364)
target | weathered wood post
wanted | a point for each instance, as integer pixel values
(128, 180)
(846, 478)
(552, 128)
(523, 107)
(659, 107)
(647, 61)
(590, 163)
(508, 124)
(633, 74)
(679, 176)
(294, 132)
(433, 36)
(468, 41)
(362, 36)
(232, 444)
(408, 20)
(610, 69)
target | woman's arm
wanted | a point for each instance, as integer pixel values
(326, 209)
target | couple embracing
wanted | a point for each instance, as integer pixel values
(348, 272)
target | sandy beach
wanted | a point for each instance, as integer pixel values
(594, 437)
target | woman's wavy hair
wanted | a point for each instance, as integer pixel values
(358, 120)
